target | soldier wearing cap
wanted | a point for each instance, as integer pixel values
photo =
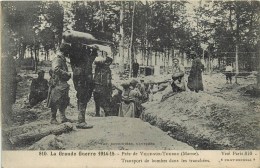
(38, 89)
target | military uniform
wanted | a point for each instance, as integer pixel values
(59, 94)
(81, 59)
(38, 90)
(103, 87)
(195, 78)
(178, 84)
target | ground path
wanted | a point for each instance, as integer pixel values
(120, 133)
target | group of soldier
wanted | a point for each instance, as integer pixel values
(126, 103)
(81, 59)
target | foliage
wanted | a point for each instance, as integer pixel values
(158, 25)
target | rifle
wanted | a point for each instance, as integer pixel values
(49, 95)
(51, 85)
(117, 88)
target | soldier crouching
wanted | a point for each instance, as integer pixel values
(59, 88)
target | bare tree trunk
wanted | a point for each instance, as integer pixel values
(45, 55)
(128, 54)
(121, 44)
(35, 60)
(142, 53)
(164, 63)
(150, 54)
(102, 17)
(237, 41)
(173, 56)
(146, 34)
(258, 67)
(131, 42)
(219, 60)
(48, 53)
(168, 60)
(155, 57)
(31, 52)
(23, 51)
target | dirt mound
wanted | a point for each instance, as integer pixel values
(206, 121)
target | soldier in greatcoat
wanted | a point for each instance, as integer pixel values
(59, 93)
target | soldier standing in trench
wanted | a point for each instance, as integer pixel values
(81, 59)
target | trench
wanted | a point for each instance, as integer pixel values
(180, 133)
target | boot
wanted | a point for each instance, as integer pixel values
(82, 109)
(63, 117)
(53, 116)
(81, 121)
(97, 110)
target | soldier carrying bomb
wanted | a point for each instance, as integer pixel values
(81, 58)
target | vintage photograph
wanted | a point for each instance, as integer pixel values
(130, 75)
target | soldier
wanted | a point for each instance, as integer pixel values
(178, 84)
(195, 78)
(135, 68)
(103, 86)
(81, 59)
(38, 90)
(229, 73)
(143, 91)
(59, 92)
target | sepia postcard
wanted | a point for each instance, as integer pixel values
(137, 83)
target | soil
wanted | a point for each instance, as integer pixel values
(221, 117)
